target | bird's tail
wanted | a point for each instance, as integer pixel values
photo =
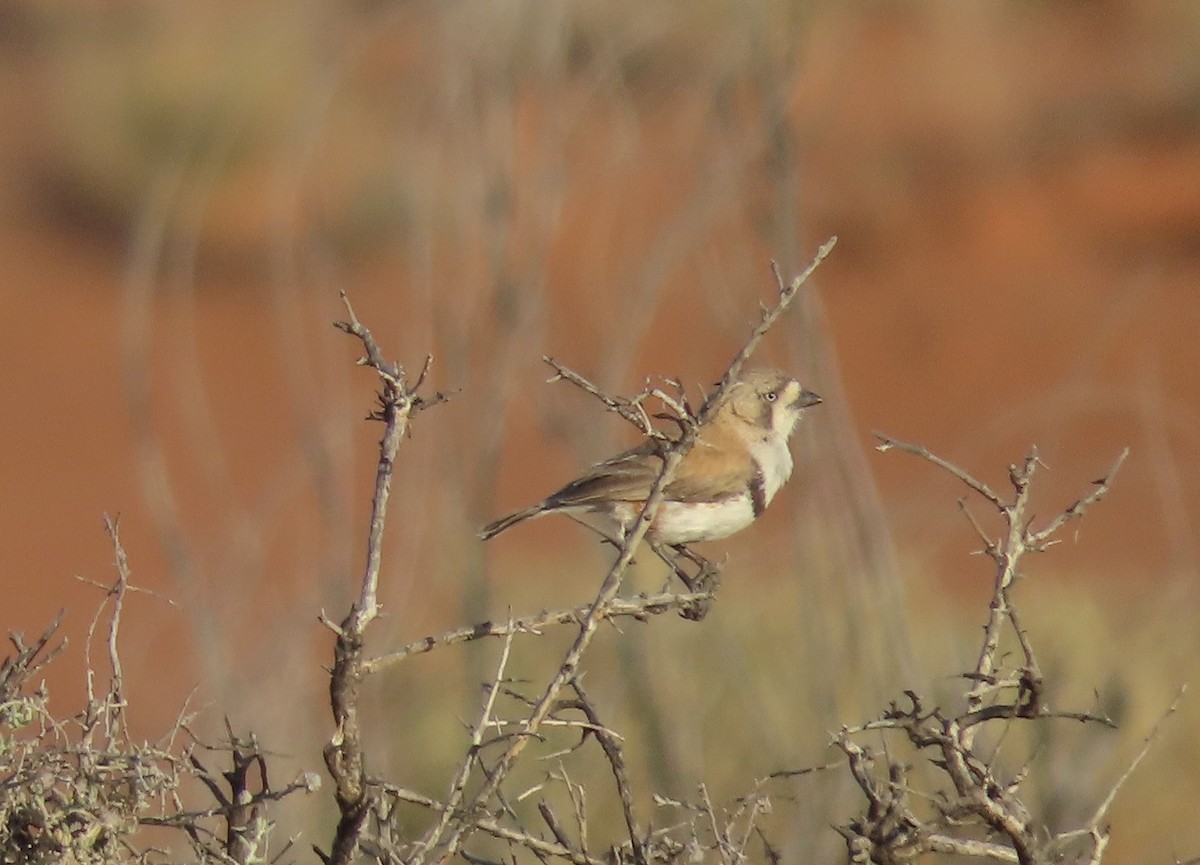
(494, 528)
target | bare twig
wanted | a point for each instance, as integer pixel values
(441, 849)
(1076, 510)
(116, 690)
(628, 409)
(490, 826)
(787, 293)
(937, 843)
(638, 607)
(397, 403)
(887, 443)
(344, 756)
(616, 761)
(1102, 809)
(238, 803)
(20, 668)
(725, 830)
(473, 756)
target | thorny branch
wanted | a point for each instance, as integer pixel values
(889, 831)
(726, 831)
(639, 607)
(616, 761)
(770, 315)
(19, 668)
(1018, 538)
(630, 409)
(398, 402)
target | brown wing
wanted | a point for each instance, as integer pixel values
(625, 477)
(630, 475)
(710, 488)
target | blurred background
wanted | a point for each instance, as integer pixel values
(184, 189)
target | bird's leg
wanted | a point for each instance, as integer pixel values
(673, 563)
(704, 582)
(708, 575)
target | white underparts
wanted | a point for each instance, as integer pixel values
(688, 522)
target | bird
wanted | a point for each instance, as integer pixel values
(739, 461)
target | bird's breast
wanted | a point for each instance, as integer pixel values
(774, 462)
(688, 522)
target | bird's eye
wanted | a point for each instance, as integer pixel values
(771, 396)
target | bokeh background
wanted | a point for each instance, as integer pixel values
(184, 189)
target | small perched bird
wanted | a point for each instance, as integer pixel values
(738, 463)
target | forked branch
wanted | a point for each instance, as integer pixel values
(975, 793)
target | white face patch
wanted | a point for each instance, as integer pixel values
(783, 415)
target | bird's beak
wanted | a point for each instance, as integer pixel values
(807, 398)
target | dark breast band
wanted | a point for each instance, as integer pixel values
(758, 491)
